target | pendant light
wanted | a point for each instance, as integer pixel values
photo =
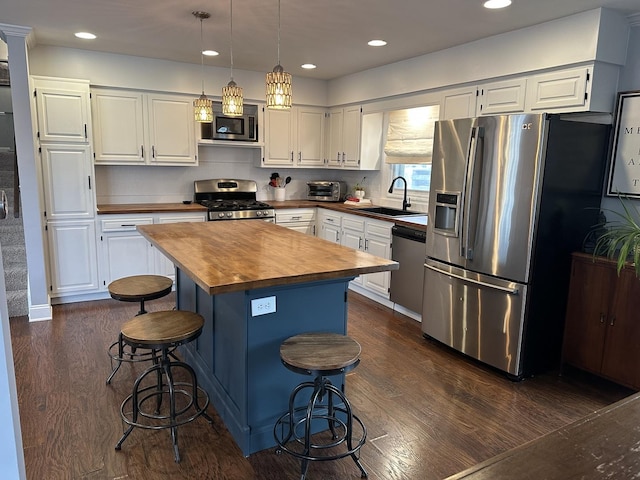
(202, 106)
(278, 82)
(232, 101)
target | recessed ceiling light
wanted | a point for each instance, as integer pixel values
(377, 43)
(210, 53)
(493, 4)
(85, 35)
(308, 66)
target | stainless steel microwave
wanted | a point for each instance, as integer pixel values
(243, 128)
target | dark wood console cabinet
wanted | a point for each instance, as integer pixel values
(602, 327)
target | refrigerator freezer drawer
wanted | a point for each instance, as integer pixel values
(478, 315)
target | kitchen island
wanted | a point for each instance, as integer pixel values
(256, 284)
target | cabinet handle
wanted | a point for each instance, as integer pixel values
(613, 320)
(127, 224)
(360, 243)
(89, 178)
(291, 156)
(602, 317)
(142, 150)
(153, 151)
(329, 220)
(343, 157)
(296, 218)
(299, 157)
(366, 245)
(85, 131)
(337, 238)
(338, 157)
(314, 230)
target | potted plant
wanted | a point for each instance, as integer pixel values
(358, 189)
(621, 238)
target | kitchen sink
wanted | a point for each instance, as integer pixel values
(390, 212)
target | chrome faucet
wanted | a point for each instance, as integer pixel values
(405, 203)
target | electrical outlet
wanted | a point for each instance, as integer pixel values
(262, 306)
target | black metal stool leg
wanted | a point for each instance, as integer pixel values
(118, 360)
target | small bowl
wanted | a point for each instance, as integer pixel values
(186, 202)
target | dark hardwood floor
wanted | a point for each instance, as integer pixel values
(430, 413)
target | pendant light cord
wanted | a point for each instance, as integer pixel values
(201, 58)
(231, 35)
(278, 32)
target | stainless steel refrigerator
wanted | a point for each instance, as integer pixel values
(511, 197)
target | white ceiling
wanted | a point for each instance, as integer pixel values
(333, 34)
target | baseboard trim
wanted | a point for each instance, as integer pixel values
(39, 313)
(386, 302)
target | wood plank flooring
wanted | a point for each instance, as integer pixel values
(429, 412)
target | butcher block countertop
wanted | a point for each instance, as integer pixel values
(149, 208)
(234, 255)
(602, 445)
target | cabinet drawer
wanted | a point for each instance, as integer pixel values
(353, 224)
(380, 229)
(295, 215)
(331, 219)
(125, 224)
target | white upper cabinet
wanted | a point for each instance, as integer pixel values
(295, 137)
(459, 103)
(171, 130)
(564, 89)
(143, 128)
(371, 141)
(502, 97)
(344, 137)
(63, 110)
(118, 127)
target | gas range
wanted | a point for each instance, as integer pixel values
(228, 199)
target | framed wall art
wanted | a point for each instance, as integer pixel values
(624, 173)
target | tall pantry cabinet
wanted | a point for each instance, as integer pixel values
(64, 138)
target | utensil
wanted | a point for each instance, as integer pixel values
(287, 181)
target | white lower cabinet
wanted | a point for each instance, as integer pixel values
(298, 219)
(374, 237)
(73, 264)
(329, 225)
(124, 251)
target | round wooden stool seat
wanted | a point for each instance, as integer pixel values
(140, 287)
(320, 353)
(137, 288)
(298, 431)
(157, 330)
(162, 332)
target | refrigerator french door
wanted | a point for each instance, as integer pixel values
(509, 201)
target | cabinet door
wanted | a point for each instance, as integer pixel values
(126, 254)
(564, 89)
(335, 153)
(63, 113)
(68, 181)
(171, 129)
(621, 360)
(378, 243)
(72, 257)
(310, 137)
(352, 121)
(371, 137)
(459, 103)
(278, 144)
(502, 97)
(587, 314)
(118, 127)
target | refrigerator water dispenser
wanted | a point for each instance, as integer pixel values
(446, 216)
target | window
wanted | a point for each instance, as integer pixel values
(409, 145)
(418, 176)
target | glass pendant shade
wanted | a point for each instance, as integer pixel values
(278, 89)
(203, 109)
(232, 101)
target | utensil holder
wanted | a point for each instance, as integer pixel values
(279, 194)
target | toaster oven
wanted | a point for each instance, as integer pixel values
(326, 191)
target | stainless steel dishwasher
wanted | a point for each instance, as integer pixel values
(408, 249)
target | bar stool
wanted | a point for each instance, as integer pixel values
(320, 355)
(161, 332)
(137, 288)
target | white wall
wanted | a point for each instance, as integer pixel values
(599, 34)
